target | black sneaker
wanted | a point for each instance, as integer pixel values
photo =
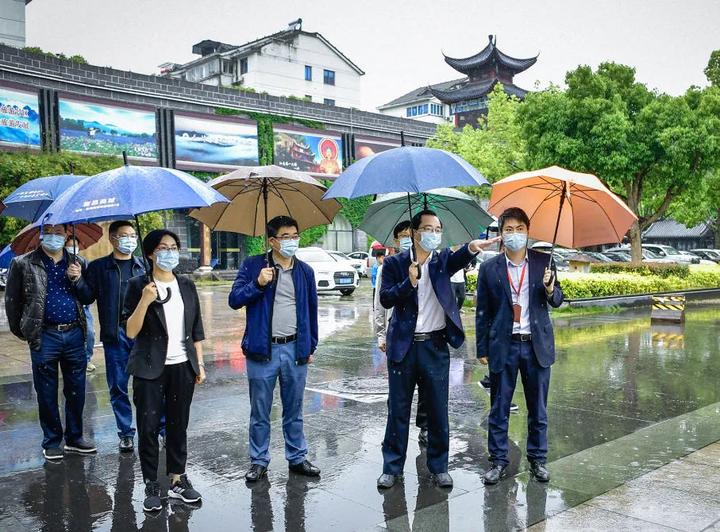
(485, 382)
(126, 444)
(53, 454)
(514, 407)
(183, 490)
(81, 446)
(152, 496)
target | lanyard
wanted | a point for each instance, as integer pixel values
(522, 278)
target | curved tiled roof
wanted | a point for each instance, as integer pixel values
(471, 91)
(490, 54)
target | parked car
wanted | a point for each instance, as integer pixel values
(702, 260)
(330, 274)
(708, 254)
(359, 264)
(363, 256)
(669, 252)
(624, 254)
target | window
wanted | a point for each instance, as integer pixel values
(329, 77)
(408, 111)
(308, 73)
(436, 109)
(329, 101)
(423, 109)
(243, 66)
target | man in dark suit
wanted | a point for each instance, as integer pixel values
(514, 333)
(424, 321)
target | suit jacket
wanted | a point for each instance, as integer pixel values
(147, 358)
(494, 313)
(398, 293)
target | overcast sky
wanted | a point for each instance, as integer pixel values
(399, 43)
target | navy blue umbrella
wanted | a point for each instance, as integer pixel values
(30, 200)
(6, 256)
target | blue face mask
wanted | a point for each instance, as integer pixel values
(72, 250)
(53, 243)
(430, 241)
(289, 247)
(127, 245)
(405, 243)
(515, 241)
(167, 260)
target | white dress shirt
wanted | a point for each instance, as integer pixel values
(431, 316)
(174, 311)
(523, 299)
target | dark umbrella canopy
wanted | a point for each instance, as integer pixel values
(30, 200)
(28, 239)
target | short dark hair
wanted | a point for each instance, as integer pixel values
(274, 225)
(418, 218)
(513, 213)
(399, 228)
(117, 225)
(152, 240)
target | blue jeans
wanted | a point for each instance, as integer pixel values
(116, 359)
(90, 336)
(262, 377)
(536, 382)
(68, 350)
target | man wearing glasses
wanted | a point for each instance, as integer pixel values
(424, 321)
(281, 334)
(105, 281)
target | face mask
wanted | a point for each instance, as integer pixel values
(72, 250)
(53, 243)
(515, 241)
(127, 245)
(289, 247)
(430, 241)
(167, 260)
(405, 243)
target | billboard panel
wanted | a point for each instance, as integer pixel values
(19, 118)
(365, 146)
(317, 152)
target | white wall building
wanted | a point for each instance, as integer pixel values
(12, 22)
(291, 62)
(420, 104)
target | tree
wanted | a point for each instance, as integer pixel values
(649, 148)
(712, 70)
(496, 146)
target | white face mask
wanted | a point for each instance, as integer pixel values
(53, 243)
(405, 243)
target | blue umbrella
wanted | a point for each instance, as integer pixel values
(6, 256)
(30, 200)
(406, 169)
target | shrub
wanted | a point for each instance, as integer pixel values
(649, 268)
(471, 282)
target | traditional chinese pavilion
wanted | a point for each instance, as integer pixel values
(467, 98)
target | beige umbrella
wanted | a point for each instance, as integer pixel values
(568, 208)
(260, 193)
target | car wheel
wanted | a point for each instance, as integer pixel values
(347, 291)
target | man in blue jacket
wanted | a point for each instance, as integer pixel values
(105, 281)
(424, 321)
(281, 335)
(514, 333)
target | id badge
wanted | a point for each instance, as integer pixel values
(517, 310)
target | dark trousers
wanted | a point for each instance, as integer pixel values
(459, 293)
(536, 382)
(116, 359)
(173, 391)
(427, 364)
(68, 350)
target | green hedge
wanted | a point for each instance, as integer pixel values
(660, 269)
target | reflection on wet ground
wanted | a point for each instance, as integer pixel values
(626, 397)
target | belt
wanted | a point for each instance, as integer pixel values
(522, 337)
(423, 337)
(62, 327)
(284, 339)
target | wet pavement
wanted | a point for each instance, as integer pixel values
(626, 398)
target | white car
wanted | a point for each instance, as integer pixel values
(669, 252)
(330, 274)
(360, 265)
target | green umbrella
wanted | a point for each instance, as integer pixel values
(462, 217)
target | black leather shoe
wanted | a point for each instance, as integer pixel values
(494, 474)
(126, 444)
(423, 437)
(485, 382)
(539, 471)
(255, 473)
(305, 468)
(443, 480)
(386, 481)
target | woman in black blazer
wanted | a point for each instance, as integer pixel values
(166, 362)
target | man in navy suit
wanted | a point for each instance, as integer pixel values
(514, 333)
(424, 321)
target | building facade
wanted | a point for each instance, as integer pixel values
(12, 22)
(291, 62)
(420, 104)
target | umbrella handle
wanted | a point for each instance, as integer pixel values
(412, 235)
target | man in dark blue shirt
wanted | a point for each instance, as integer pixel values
(42, 309)
(105, 281)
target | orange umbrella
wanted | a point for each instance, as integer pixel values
(28, 239)
(567, 208)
